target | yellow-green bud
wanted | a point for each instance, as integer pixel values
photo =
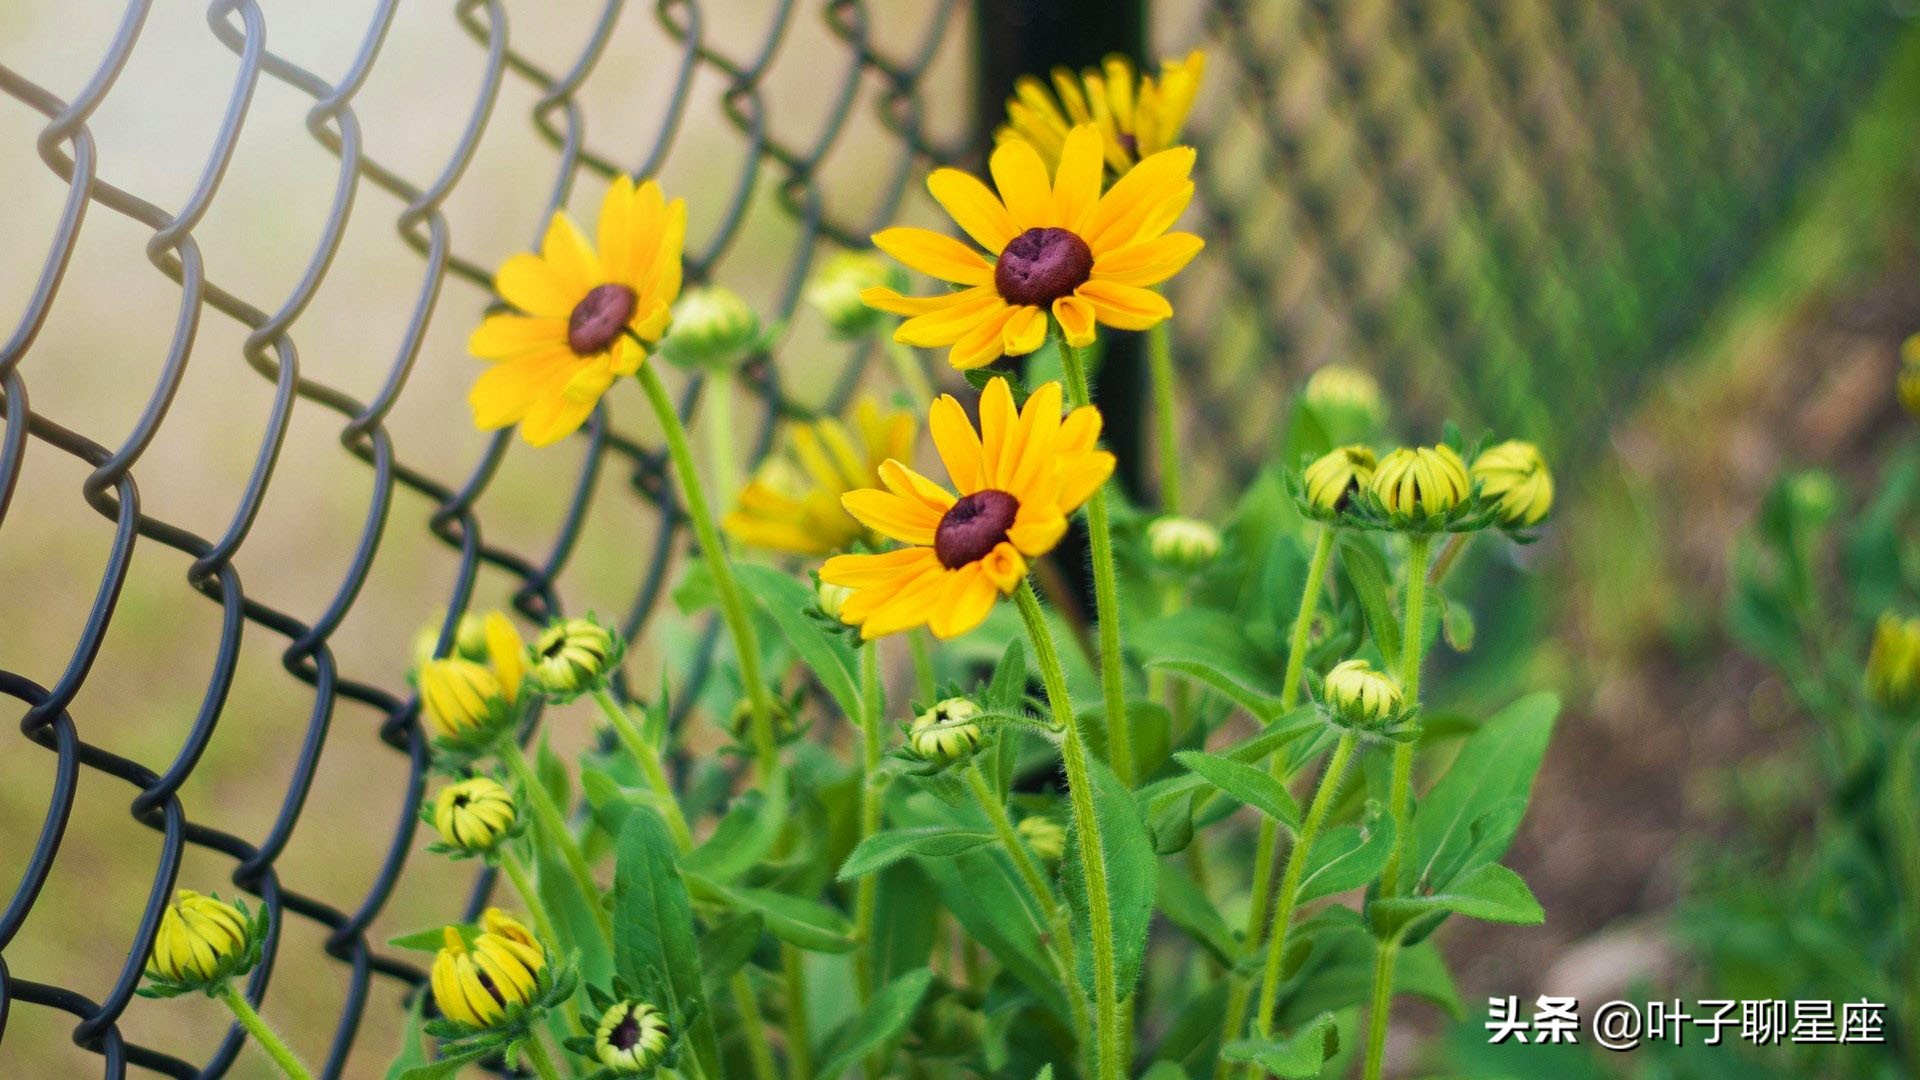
(946, 733)
(713, 328)
(201, 940)
(1908, 382)
(473, 814)
(835, 291)
(575, 656)
(831, 598)
(1516, 478)
(1420, 482)
(1333, 477)
(631, 1038)
(469, 640)
(780, 712)
(1361, 696)
(1893, 662)
(1347, 396)
(1181, 543)
(477, 986)
(1045, 837)
(463, 701)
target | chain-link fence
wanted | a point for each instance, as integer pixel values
(1506, 209)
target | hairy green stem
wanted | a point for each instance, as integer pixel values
(1240, 990)
(553, 825)
(1110, 1040)
(1166, 416)
(1106, 594)
(536, 1054)
(1383, 964)
(1288, 897)
(799, 1041)
(923, 674)
(872, 716)
(759, 1051)
(647, 756)
(719, 425)
(517, 873)
(268, 1039)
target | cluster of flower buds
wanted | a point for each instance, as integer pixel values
(495, 982)
(1357, 696)
(1427, 488)
(470, 697)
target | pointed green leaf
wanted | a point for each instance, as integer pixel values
(787, 600)
(1131, 870)
(1249, 785)
(1495, 765)
(1490, 892)
(1348, 856)
(1366, 571)
(745, 836)
(1298, 1057)
(884, 1017)
(793, 919)
(933, 841)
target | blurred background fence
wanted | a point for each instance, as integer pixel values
(247, 242)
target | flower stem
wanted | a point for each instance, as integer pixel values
(872, 715)
(1106, 594)
(746, 646)
(719, 425)
(759, 1051)
(516, 872)
(923, 674)
(913, 377)
(536, 1054)
(554, 825)
(1165, 415)
(262, 1034)
(1400, 793)
(1265, 846)
(647, 756)
(799, 1042)
(1093, 853)
(1283, 903)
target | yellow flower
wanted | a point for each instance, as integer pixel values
(473, 814)
(1137, 115)
(200, 939)
(1018, 478)
(1333, 477)
(1361, 695)
(1060, 246)
(793, 501)
(579, 309)
(1515, 477)
(1893, 662)
(1420, 482)
(476, 986)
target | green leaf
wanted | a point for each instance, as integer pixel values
(1490, 892)
(573, 919)
(1456, 624)
(1254, 787)
(609, 799)
(1366, 571)
(745, 836)
(1495, 766)
(1131, 871)
(652, 915)
(1214, 639)
(932, 841)
(552, 773)
(1348, 856)
(1007, 691)
(431, 939)
(793, 919)
(1186, 906)
(874, 1026)
(727, 946)
(413, 1049)
(446, 1066)
(787, 600)
(1298, 1057)
(906, 919)
(1335, 969)
(1263, 706)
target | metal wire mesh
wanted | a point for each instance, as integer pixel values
(1516, 193)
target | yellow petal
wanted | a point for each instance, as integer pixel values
(616, 233)
(1076, 320)
(1148, 262)
(570, 257)
(865, 571)
(934, 254)
(907, 484)
(1081, 479)
(1025, 331)
(1022, 179)
(1125, 307)
(974, 207)
(528, 283)
(1134, 196)
(951, 323)
(910, 607)
(1004, 567)
(499, 337)
(906, 520)
(964, 603)
(957, 443)
(1040, 535)
(1031, 450)
(998, 426)
(982, 344)
(894, 303)
(504, 392)
(1076, 186)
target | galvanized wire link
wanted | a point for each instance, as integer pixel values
(1516, 191)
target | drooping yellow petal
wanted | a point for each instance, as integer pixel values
(504, 393)
(951, 323)
(983, 344)
(910, 607)
(894, 303)
(963, 604)
(1024, 185)
(862, 571)
(499, 337)
(973, 207)
(934, 254)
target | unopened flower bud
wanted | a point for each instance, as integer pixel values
(478, 986)
(1516, 478)
(201, 941)
(1333, 478)
(1893, 662)
(835, 291)
(473, 814)
(831, 598)
(713, 328)
(575, 656)
(1346, 398)
(469, 641)
(946, 733)
(1181, 543)
(1361, 696)
(1045, 837)
(463, 701)
(632, 1038)
(1420, 482)
(740, 721)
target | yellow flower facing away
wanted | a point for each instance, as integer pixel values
(579, 307)
(1893, 662)
(1137, 115)
(473, 814)
(1421, 482)
(1333, 477)
(1018, 478)
(1516, 478)
(1361, 695)
(792, 505)
(200, 939)
(1059, 246)
(477, 986)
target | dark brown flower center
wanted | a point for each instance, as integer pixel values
(625, 1034)
(974, 526)
(599, 319)
(1042, 265)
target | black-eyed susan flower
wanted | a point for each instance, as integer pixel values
(946, 733)
(835, 291)
(1361, 696)
(202, 941)
(494, 979)
(1137, 115)
(1333, 478)
(1059, 246)
(575, 656)
(792, 504)
(1182, 543)
(585, 313)
(1045, 837)
(1420, 483)
(632, 1038)
(1515, 478)
(1018, 478)
(1893, 662)
(473, 815)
